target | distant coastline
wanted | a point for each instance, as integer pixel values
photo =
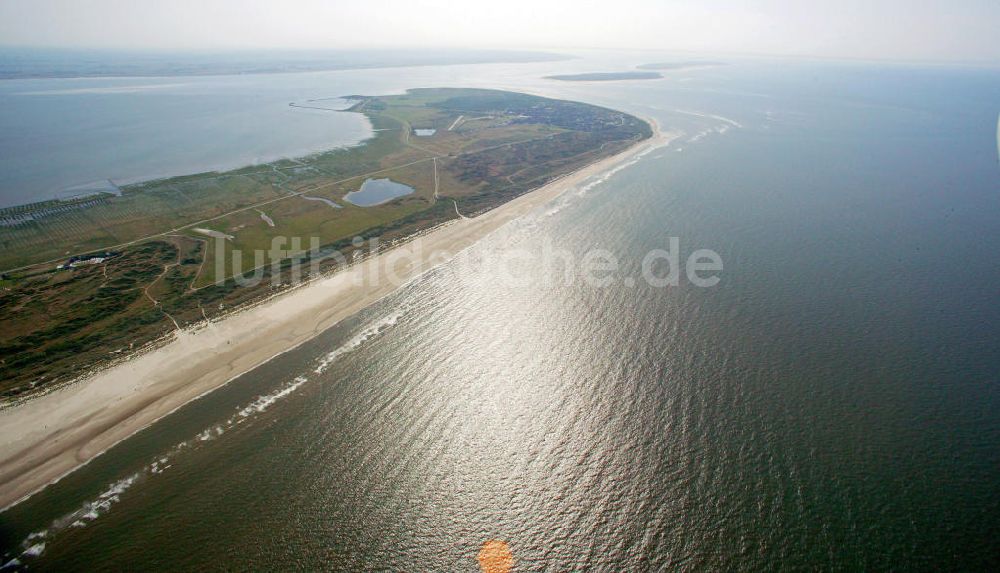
(37, 63)
(605, 76)
(677, 66)
(641, 72)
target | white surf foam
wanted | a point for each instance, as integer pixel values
(265, 401)
(568, 198)
(370, 331)
(34, 544)
(706, 115)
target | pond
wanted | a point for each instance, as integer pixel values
(377, 191)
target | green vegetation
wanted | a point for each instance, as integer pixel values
(488, 147)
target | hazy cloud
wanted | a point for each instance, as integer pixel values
(894, 29)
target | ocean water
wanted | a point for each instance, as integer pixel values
(831, 403)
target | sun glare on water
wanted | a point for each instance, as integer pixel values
(495, 557)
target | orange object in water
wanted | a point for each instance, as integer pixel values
(495, 557)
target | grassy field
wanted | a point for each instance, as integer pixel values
(160, 270)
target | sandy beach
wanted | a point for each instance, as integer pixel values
(47, 437)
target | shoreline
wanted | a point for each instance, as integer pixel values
(48, 437)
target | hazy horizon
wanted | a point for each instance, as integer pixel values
(933, 31)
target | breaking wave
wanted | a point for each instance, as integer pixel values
(370, 331)
(34, 544)
(267, 400)
(568, 198)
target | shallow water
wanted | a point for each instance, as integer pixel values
(60, 134)
(831, 403)
(377, 191)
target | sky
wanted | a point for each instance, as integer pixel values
(914, 30)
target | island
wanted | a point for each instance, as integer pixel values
(93, 280)
(605, 76)
(144, 325)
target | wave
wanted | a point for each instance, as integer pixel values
(718, 130)
(34, 544)
(267, 400)
(729, 121)
(370, 331)
(569, 197)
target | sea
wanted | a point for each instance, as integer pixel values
(832, 402)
